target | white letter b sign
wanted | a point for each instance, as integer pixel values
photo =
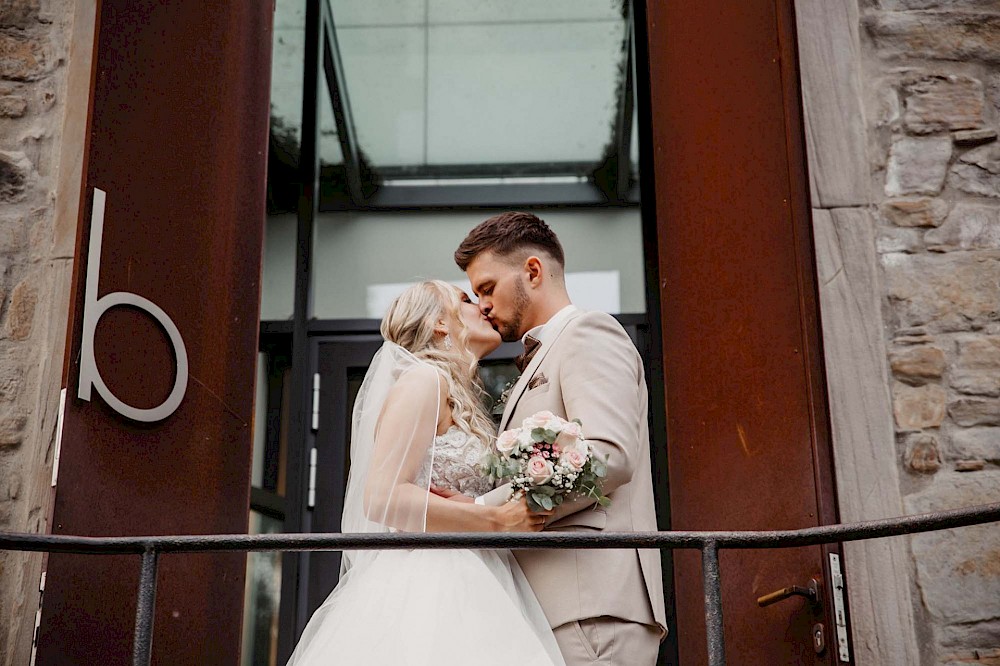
(94, 308)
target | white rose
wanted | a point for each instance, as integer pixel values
(555, 424)
(524, 440)
(539, 470)
(539, 420)
(507, 441)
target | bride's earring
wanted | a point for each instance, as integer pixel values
(447, 342)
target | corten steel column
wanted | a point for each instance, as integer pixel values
(747, 425)
(178, 140)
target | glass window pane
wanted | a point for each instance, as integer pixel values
(261, 598)
(352, 13)
(527, 92)
(278, 277)
(386, 83)
(287, 62)
(483, 11)
(259, 422)
(455, 82)
(358, 254)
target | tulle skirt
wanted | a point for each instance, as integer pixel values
(433, 608)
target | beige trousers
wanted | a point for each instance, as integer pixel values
(608, 641)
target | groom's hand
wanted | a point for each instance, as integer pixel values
(453, 495)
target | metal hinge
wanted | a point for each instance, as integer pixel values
(838, 607)
(312, 478)
(315, 410)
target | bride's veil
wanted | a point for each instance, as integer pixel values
(393, 430)
(392, 435)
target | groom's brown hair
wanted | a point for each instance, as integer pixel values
(507, 233)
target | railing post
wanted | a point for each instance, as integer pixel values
(713, 603)
(144, 609)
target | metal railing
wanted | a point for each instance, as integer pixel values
(709, 543)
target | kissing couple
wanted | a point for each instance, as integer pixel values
(419, 433)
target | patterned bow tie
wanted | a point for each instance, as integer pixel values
(531, 346)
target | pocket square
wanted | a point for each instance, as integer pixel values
(538, 380)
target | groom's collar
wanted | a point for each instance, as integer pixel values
(543, 331)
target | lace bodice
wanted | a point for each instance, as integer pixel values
(456, 455)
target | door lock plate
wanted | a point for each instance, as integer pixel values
(837, 580)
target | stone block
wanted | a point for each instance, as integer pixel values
(977, 443)
(894, 239)
(15, 176)
(922, 455)
(973, 382)
(975, 411)
(917, 165)
(968, 227)
(13, 107)
(981, 352)
(974, 137)
(914, 365)
(978, 171)
(936, 103)
(918, 407)
(936, 35)
(24, 58)
(21, 311)
(942, 4)
(982, 635)
(12, 430)
(924, 212)
(18, 14)
(958, 571)
(943, 292)
(11, 379)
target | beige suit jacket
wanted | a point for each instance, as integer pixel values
(594, 373)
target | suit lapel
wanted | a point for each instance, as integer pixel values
(536, 360)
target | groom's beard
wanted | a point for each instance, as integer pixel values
(510, 330)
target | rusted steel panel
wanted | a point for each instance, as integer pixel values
(177, 140)
(747, 436)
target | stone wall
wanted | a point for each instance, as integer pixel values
(932, 91)
(45, 60)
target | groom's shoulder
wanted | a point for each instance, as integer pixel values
(593, 325)
(589, 321)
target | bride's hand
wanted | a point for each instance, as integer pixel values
(517, 517)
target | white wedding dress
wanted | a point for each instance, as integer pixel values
(434, 607)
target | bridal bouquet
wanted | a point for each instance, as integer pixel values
(547, 459)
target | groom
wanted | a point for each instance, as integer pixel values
(604, 606)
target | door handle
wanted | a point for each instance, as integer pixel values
(811, 592)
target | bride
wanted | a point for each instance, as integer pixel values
(418, 422)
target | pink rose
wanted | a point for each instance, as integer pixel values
(507, 441)
(573, 459)
(539, 470)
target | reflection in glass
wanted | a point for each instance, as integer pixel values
(261, 598)
(496, 376)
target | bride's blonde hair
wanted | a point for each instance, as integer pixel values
(410, 323)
